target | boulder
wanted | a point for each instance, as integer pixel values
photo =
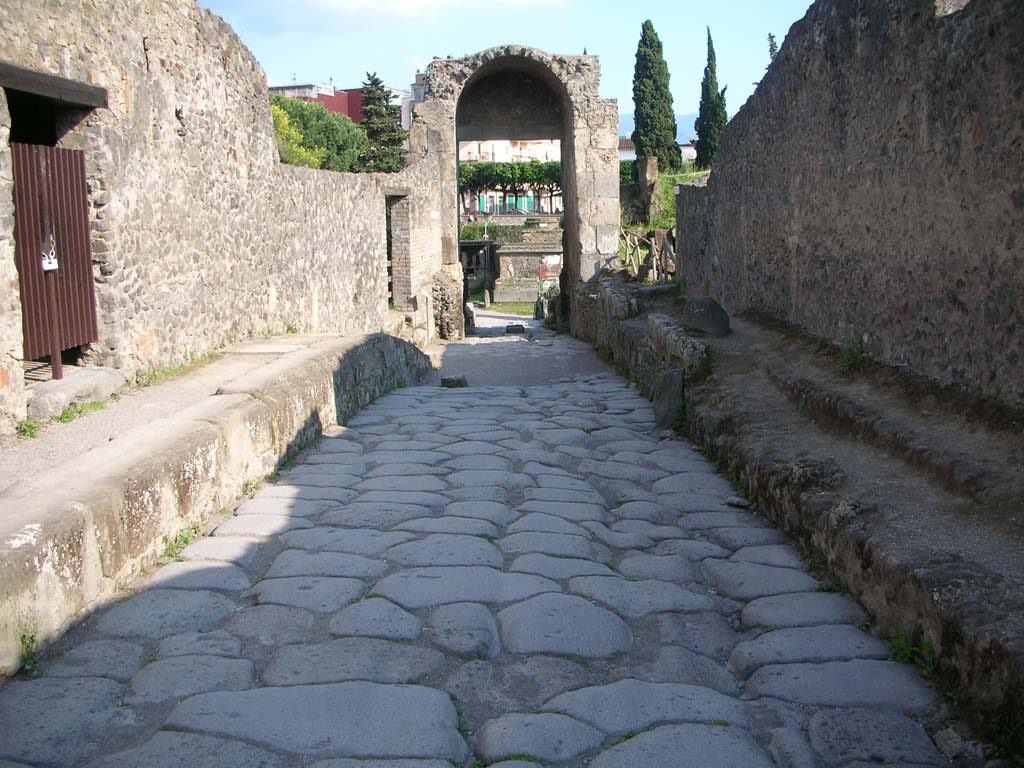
(705, 315)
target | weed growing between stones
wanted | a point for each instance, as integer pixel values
(29, 428)
(626, 737)
(919, 653)
(291, 328)
(851, 356)
(29, 653)
(77, 410)
(165, 372)
(814, 559)
(464, 729)
(831, 585)
(173, 547)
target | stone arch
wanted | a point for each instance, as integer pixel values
(543, 93)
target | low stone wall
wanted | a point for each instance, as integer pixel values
(105, 527)
(200, 236)
(871, 188)
(803, 495)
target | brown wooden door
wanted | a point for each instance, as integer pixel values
(75, 311)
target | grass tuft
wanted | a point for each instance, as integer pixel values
(173, 547)
(851, 356)
(28, 429)
(77, 410)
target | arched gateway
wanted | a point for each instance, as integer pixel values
(514, 92)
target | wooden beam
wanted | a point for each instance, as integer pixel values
(70, 92)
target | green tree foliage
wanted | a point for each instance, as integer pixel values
(627, 171)
(655, 134)
(511, 179)
(382, 123)
(773, 47)
(290, 145)
(335, 139)
(712, 117)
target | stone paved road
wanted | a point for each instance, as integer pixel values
(502, 576)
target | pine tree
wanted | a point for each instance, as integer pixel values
(655, 134)
(382, 123)
(713, 117)
(773, 47)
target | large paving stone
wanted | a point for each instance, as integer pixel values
(299, 562)
(168, 749)
(748, 581)
(319, 594)
(468, 526)
(392, 470)
(563, 624)
(577, 512)
(376, 617)
(630, 706)
(272, 624)
(691, 549)
(426, 587)
(446, 549)
(421, 498)
(673, 664)
(565, 482)
(350, 658)
(557, 544)
(617, 539)
(807, 609)
(694, 482)
(363, 514)
(59, 722)
(559, 568)
(673, 746)
(842, 736)
(645, 510)
(492, 511)
(697, 521)
(304, 493)
(403, 483)
(535, 521)
(491, 688)
(709, 633)
(239, 550)
(492, 493)
(563, 495)
(355, 541)
(548, 737)
(636, 599)
(260, 526)
(200, 575)
(614, 470)
(216, 643)
(857, 683)
(346, 763)
(158, 613)
(490, 478)
(403, 457)
(648, 529)
(778, 555)
(379, 720)
(805, 644)
(180, 676)
(743, 538)
(497, 463)
(282, 507)
(664, 567)
(116, 659)
(465, 629)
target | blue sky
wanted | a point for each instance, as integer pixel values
(315, 40)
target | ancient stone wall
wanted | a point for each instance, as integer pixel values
(200, 236)
(873, 186)
(588, 132)
(12, 388)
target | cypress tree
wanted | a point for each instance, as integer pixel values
(655, 134)
(712, 118)
(384, 132)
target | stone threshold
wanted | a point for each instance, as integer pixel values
(71, 537)
(913, 534)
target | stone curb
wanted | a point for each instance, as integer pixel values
(69, 541)
(971, 624)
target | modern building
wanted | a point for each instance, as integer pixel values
(627, 150)
(348, 102)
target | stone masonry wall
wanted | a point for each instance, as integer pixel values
(200, 236)
(873, 186)
(12, 386)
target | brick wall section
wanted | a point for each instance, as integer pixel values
(873, 186)
(200, 236)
